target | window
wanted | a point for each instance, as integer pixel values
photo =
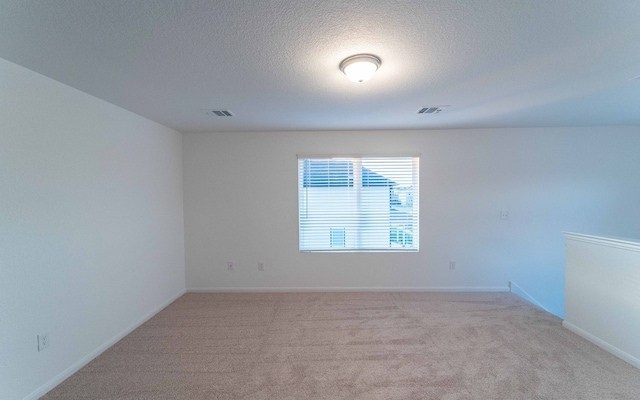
(358, 203)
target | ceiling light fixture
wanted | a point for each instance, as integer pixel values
(361, 67)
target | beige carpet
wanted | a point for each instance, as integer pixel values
(353, 346)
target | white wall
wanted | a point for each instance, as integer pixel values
(91, 226)
(603, 293)
(241, 205)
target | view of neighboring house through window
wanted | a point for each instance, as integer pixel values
(358, 203)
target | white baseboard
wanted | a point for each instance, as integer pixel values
(345, 289)
(55, 381)
(601, 343)
(517, 290)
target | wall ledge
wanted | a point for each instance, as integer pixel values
(615, 242)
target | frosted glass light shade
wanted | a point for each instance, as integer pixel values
(361, 67)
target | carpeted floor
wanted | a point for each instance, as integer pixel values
(353, 346)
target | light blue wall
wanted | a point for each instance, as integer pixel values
(549, 179)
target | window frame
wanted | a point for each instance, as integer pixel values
(410, 238)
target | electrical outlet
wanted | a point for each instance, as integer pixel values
(230, 266)
(260, 266)
(43, 341)
(452, 265)
(504, 214)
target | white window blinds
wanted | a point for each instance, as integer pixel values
(358, 203)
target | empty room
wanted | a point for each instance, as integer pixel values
(288, 199)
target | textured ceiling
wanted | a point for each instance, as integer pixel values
(274, 63)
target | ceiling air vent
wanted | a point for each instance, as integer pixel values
(431, 109)
(218, 113)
